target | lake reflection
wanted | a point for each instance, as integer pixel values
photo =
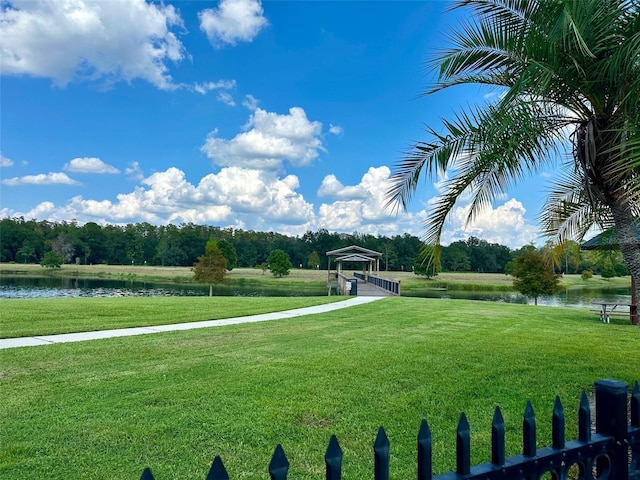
(51, 287)
(568, 298)
(47, 287)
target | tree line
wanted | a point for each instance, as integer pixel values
(27, 241)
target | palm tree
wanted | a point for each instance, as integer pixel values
(568, 80)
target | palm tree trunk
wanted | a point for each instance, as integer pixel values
(629, 243)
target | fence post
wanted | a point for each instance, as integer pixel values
(611, 420)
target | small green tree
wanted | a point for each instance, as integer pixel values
(210, 267)
(279, 263)
(229, 253)
(534, 276)
(608, 272)
(51, 260)
(26, 254)
(314, 260)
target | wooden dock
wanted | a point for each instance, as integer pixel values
(368, 290)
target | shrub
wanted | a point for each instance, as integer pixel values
(586, 274)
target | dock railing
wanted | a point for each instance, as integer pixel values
(392, 286)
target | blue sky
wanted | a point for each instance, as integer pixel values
(283, 116)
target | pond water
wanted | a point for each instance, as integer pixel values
(47, 286)
(568, 298)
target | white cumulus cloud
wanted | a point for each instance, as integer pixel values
(233, 21)
(359, 207)
(331, 187)
(504, 224)
(69, 40)
(234, 197)
(51, 178)
(268, 140)
(5, 162)
(134, 172)
(89, 165)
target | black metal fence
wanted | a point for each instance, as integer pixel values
(611, 453)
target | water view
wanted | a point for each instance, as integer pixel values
(48, 287)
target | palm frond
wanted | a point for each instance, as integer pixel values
(561, 65)
(567, 213)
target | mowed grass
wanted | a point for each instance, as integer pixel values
(172, 401)
(45, 316)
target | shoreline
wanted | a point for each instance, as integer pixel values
(467, 281)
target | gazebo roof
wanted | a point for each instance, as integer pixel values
(354, 249)
(355, 257)
(607, 240)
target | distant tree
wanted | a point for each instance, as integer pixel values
(314, 260)
(52, 260)
(621, 270)
(455, 257)
(229, 253)
(534, 275)
(608, 272)
(63, 246)
(279, 263)
(210, 267)
(26, 254)
(422, 267)
(568, 256)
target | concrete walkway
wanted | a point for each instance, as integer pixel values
(127, 332)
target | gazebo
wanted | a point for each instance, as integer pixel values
(608, 240)
(369, 259)
(355, 254)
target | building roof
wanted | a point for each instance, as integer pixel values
(354, 249)
(356, 258)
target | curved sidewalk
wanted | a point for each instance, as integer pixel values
(128, 332)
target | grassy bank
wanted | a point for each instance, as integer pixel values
(107, 409)
(46, 316)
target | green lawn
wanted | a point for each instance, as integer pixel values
(172, 401)
(45, 316)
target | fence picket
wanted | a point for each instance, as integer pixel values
(425, 470)
(333, 459)
(381, 456)
(146, 474)
(463, 446)
(217, 470)
(497, 438)
(529, 432)
(584, 419)
(557, 425)
(279, 465)
(613, 451)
